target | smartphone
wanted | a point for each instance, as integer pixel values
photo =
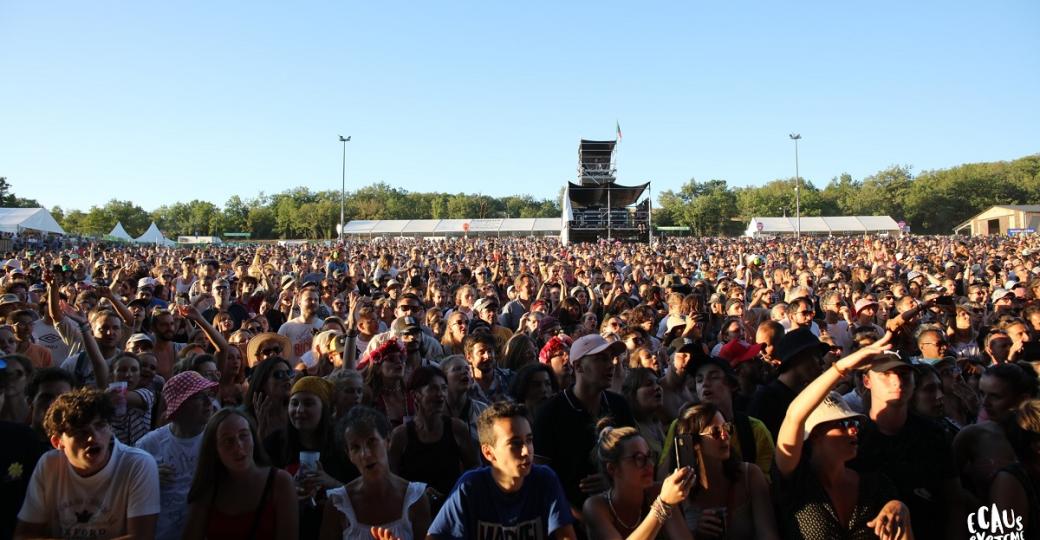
(684, 453)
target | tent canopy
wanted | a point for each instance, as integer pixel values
(822, 225)
(154, 236)
(15, 220)
(119, 233)
(439, 227)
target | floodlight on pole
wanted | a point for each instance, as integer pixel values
(343, 186)
(797, 187)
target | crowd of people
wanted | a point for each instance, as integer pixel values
(818, 388)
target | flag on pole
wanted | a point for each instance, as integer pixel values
(618, 129)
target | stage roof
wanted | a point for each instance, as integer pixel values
(620, 196)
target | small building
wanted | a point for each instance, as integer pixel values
(821, 225)
(1004, 219)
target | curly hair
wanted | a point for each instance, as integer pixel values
(76, 410)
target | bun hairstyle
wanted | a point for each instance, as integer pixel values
(610, 445)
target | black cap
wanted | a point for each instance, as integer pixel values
(795, 342)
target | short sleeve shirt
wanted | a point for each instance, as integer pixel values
(97, 506)
(478, 508)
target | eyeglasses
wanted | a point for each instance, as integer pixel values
(640, 459)
(716, 431)
(281, 375)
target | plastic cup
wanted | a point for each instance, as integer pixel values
(309, 460)
(118, 391)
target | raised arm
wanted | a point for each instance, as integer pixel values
(791, 437)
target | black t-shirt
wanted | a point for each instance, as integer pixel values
(918, 460)
(770, 405)
(19, 452)
(565, 433)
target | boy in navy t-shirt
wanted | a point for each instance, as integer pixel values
(513, 498)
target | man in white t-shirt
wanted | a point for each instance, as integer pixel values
(175, 447)
(300, 330)
(91, 485)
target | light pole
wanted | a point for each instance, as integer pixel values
(343, 186)
(797, 187)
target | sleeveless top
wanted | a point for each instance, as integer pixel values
(260, 522)
(439, 463)
(355, 530)
(740, 523)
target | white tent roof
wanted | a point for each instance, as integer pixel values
(153, 236)
(119, 233)
(822, 225)
(13, 220)
(419, 227)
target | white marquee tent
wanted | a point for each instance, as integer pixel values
(119, 233)
(16, 220)
(154, 236)
(455, 227)
(828, 225)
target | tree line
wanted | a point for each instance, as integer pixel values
(930, 202)
(297, 212)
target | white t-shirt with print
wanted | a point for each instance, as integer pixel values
(182, 455)
(300, 336)
(97, 506)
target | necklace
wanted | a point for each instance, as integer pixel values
(610, 502)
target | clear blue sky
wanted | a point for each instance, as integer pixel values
(163, 101)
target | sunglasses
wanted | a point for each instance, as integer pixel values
(270, 350)
(846, 423)
(716, 431)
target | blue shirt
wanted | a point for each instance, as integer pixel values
(478, 509)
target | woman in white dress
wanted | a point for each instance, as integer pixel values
(379, 504)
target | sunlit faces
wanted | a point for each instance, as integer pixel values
(636, 465)
(649, 396)
(127, 369)
(998, 400)
(711, 385)
(235, 443)
(8, 343)
(1018, 332)
(433, 397)
(87, 448)
(512, 454)
(928, 395)
(715, 438)
(366, 449)
(107, 330)
(392, 366)
(195, 410)
(482, 357)
(305, 411)
(893, 386)
(279, 383)
(839, 438)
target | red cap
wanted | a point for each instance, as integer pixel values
(737, 352)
